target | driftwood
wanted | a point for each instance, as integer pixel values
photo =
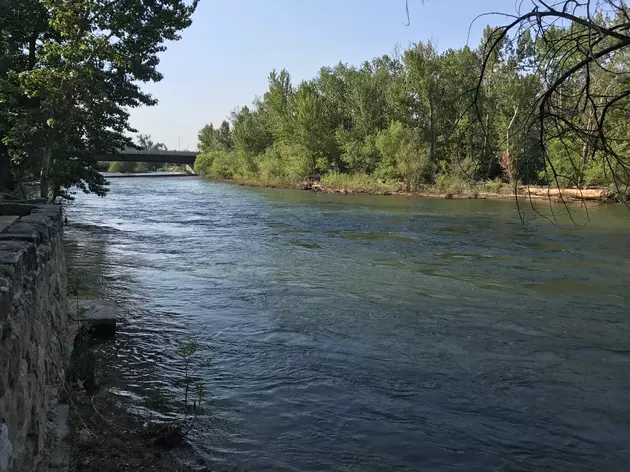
(594, 194)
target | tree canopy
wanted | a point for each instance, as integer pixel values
(69, 73)
(542, 100)
(580, 112)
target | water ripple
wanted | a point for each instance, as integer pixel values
(367, 333)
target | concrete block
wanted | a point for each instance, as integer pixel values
(98, 315)
(6, 221)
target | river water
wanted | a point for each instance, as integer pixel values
(361, 333)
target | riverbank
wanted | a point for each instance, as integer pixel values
(105, 435)
(109, 427)
(456, 190)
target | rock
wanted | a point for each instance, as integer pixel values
(33, 326)
(98, 315)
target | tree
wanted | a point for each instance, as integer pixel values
(146, 143)
(207, 139)
(538, 102)
(275, 106)
(74, 71)
(579, 114)
(215, 139)
(249, 130)
(224, 136)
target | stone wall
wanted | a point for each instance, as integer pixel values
(33, 321)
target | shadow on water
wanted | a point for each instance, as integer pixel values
(369, 333)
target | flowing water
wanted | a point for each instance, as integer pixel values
(361, 333)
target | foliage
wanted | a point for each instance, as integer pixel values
(403, 120)
(291, 162)
(574, 127)
(187, 352)
(224, 166)
(190, 390)
(69, 73)
(447, 117)
(115, 167)
(357, 183)
(203, 163)
(211, 139)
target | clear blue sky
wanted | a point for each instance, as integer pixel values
(224, 58)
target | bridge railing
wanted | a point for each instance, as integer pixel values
(131, 151)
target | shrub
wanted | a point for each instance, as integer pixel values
(289, 162)
(403, 157)
(390, 144)
(359, 182)
(203, 163)
(141, 167)
(451, 184)
(224, 165)
(358, 153)
(114, 167)
(218, 164)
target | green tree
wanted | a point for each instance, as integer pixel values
(215, 139)
(249, 131)
(276, 104)
(224, 136)
(581, 51)
(114, 167)
(74, 70)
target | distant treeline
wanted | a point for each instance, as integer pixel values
(415, 118)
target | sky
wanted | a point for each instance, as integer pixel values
(223, 60)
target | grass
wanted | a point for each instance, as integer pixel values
(364, 183)
(445, 186)
(271, 182)
(358, 183)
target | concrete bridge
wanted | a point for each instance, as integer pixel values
(134, 155)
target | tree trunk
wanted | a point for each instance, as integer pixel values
(44, 182)
(32, 49)
(485, 154)
(507, 161)
(6, 178)
(509, 129)
(431, 120)
(586, 151)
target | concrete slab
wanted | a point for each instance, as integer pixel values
(12, 208)
(7, 220)
(98, 315)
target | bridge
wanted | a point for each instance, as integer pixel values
(134, 155)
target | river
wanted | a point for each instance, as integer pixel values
(366, 333)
